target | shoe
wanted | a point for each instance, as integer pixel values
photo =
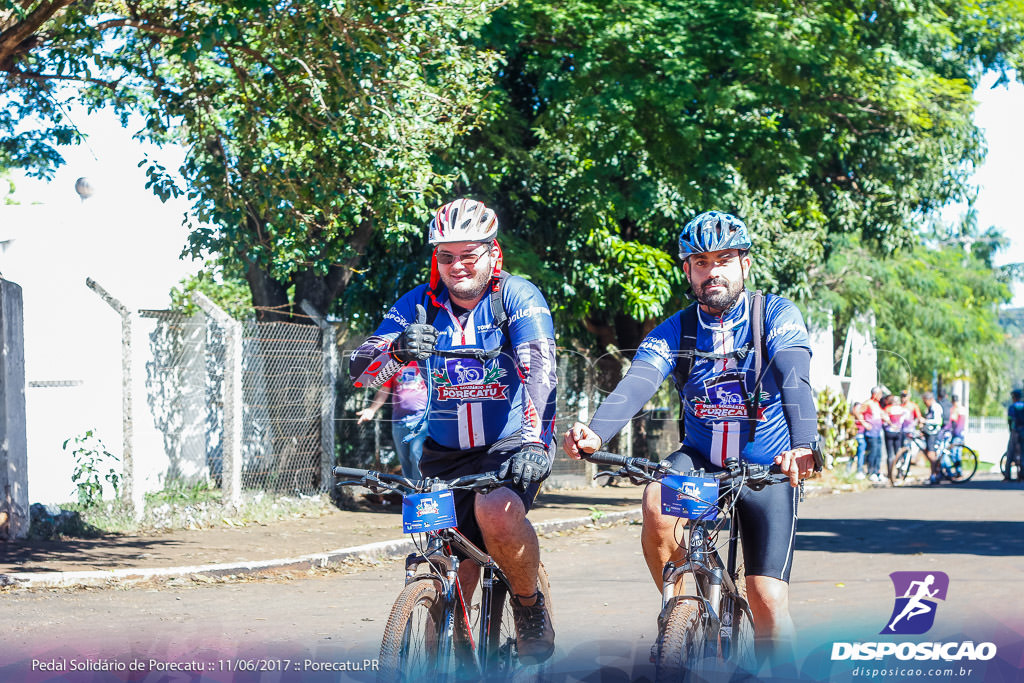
(934, 479)
(860, 475)
(535, 638)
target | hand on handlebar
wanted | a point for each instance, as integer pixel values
(527, 466)
(416, 342)
(580, 440)
(796, 464)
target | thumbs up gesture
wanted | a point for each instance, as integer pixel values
(416, 342)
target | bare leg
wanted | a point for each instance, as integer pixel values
(661, 537)
(510, 539)
(774, 632)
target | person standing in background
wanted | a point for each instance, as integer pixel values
(874, 417)
(957, 422)
(408, 423)
(857, 463)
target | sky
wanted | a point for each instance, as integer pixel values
(1000, 178)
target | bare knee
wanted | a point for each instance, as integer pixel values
(657, 525)
(499, 512)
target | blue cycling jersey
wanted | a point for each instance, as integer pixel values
(714, 394)
(474, 403)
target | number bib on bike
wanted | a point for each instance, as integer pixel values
(428, 511)
(689, 497)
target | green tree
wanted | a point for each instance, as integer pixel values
(617, 121)
(309, 126)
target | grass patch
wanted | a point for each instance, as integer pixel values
(196, 507)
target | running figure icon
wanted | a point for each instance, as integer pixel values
(915, 606)
(916, 601)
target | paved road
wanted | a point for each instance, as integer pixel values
(605, 605)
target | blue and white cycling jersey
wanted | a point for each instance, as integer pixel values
(475, 403)
(716, 415)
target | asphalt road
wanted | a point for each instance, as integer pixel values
(604, 603)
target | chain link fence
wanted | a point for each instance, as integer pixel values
(268, 406)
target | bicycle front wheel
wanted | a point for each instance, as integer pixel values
(965, 464)
(900, 467)
(683, 643)
(413, 636)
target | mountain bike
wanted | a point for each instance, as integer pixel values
(433, 632)
(899, 467)
(1011, 460)
(711, 633)
(957, 462)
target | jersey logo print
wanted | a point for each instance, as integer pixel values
(468, 379)
(723, 399)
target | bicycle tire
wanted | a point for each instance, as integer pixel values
(412, 636)
(968, 464)
(682, 643)
(899, 469)
(502, 658)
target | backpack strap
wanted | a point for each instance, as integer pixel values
(684, 361)
(757, 322)
(496, 302)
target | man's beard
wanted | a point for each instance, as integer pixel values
(721, 300)
(468, 290)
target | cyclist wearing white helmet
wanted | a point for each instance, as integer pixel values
(494, 412)
(730, 410)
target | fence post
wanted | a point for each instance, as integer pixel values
(15, 518)
(131, 492)
(231, 474)
(329, 348)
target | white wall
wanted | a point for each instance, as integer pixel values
(129, 242)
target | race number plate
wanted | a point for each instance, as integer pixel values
(428, 511)
(689, 497)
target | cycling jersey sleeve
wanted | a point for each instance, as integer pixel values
(536, 363)
(372, 363)
(532, 336)
(792, 368)
(628, 398)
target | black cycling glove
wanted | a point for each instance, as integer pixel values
(527, 466)
(416, 342)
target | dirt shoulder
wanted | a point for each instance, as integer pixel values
(332, 530)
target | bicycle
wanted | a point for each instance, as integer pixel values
(429, 632)
(899, 467)
(711, 632)
(1011, 459)
(957, 462)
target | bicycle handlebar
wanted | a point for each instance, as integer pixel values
(653, 471)
(477, 482)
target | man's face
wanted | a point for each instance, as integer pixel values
(928, 402)
(717, 277)
(465, 268)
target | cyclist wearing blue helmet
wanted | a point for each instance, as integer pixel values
(730, 410)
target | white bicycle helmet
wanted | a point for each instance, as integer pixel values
(464, 220)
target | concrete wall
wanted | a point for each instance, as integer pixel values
(14, 502)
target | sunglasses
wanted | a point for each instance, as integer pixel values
(445, 258)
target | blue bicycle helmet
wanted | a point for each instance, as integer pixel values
(713, 231)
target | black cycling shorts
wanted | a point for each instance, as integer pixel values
(447, 463)
(767, 519)
(931, 441)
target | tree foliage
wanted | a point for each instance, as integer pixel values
(309, 125)
(319, 133)
(620, 120)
